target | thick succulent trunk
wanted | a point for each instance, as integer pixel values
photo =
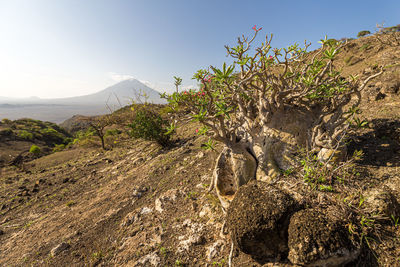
(267, 169)
(271, 151)
(235, 167)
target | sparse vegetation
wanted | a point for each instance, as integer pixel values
(25, 135)
(58, 148)
(34, 149)
(388, 39)
(37, 130)
(6, 121)
(365, 47)
(70, 203)
(149, 125)
(99, 124)
(363, 33)
(324, 176)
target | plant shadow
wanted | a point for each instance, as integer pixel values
(380, 144)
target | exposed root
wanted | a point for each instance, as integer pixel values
(230, 256)
(223, 233)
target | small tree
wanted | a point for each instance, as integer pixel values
(178, 82)
(363, 33)
(99, 124)
(273, 101)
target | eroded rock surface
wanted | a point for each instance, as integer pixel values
(194, 235)
(318, 237)
(169, 196)
(258, 219)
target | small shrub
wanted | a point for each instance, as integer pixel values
(58, 148)
(325, 188)
(25, 135)
(324, 176)
(6, 121)
(97, 256)
(68, 140)
(365, 47)
(363, 33)
(70, 203)
(332, 42)
(113, 132)
(34, 150)
(52, 136)
(149, 125)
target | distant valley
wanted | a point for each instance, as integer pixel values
(59, 109)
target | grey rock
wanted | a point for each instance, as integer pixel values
(151, 258)
(59, 248)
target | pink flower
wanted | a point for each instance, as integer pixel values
(203, 93)
(197, 130)
(255, 28)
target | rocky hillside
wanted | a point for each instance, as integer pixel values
(140, 204)
(17, 137)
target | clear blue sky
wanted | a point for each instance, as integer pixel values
(58, 48)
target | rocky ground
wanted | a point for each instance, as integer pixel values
(139, 204)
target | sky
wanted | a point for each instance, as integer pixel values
(62, 48)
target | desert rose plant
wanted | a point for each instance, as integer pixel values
(270, 102)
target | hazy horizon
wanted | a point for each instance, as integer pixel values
(59, 109)
(66, 48)
(33, 97)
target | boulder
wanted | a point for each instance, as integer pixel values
(318, 237)
(258, 219)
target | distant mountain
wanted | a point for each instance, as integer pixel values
(124, 92)
(59, 109)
